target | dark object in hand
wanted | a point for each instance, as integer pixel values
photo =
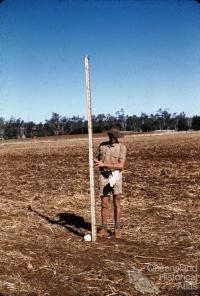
(106, 173)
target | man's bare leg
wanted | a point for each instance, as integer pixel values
(105, 205)
(105, 209)
(117, 214)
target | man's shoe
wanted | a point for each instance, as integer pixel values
(118, 233)
(102, 232)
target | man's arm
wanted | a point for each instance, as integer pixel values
(118, 166)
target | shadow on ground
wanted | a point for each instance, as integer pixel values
(74, 223)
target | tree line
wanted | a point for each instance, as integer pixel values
(61, 125)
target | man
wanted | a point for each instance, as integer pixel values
(111, 162)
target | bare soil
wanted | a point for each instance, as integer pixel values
(45, 213)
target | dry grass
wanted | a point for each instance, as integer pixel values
(45, 212)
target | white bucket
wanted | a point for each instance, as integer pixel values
(87, 238)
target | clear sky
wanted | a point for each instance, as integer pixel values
(144, 55)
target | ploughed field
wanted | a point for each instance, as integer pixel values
(45, 212)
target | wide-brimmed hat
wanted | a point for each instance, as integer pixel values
(115, 132)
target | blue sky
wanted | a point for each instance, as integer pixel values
(144, 55)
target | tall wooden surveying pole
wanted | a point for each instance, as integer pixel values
(91, 156)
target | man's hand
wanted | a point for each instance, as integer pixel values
(99, 163)
(118, 166)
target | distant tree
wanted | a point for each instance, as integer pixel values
(39, 130)
(13, 128)
(182, 124)
(133, 123)
(63, 123)
(30, 129)
(2, 128)
(162, 119)
(48, 129)
(99, 123)
(76, 124)
(173, 121)
(196, 123)
(121, 119)
(147, 125)
(22, 130)
(143, 117)
(110, 121)
(53, 123)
